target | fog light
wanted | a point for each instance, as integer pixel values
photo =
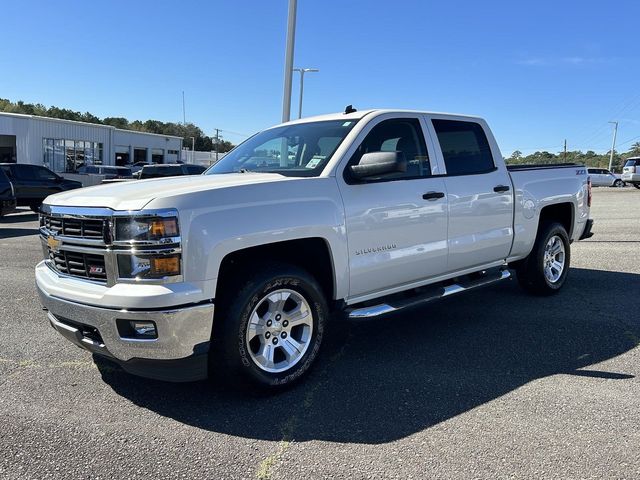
(143, 329)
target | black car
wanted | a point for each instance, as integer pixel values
(33, 183)
(7, 196)
(169, 170)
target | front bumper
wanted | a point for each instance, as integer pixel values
(178, 354)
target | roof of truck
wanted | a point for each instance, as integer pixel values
(378, 111)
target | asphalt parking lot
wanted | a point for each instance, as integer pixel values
(493, 384)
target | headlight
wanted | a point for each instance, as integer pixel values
(148, 247)
(147, 229)
(141, 266)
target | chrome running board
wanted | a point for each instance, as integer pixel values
(419, 299)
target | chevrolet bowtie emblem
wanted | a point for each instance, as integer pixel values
(53, 243)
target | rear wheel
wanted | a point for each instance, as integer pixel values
(270, 330)
(545, 270)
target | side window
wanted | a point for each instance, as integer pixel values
(41, 173)
(7, 170)
(398, 135)
(464, 147)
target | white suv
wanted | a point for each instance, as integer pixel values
(631, 171)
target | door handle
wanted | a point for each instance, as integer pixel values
(433, 195)
(501, 188)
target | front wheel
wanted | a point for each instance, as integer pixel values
(637, 185)
(271, 329)
(546, 268)
(618, 183)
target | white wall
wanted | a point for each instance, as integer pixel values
(30, 130)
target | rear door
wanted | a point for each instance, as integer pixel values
(479, 193)
(396, 224)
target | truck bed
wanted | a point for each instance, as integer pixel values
(515, 168)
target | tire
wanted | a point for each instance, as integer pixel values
(637, 185)
(531, 272)
(618, 184)
(241, 348)
(35, 207)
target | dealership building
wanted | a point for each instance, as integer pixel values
(64, 145)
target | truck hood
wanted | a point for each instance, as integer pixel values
(136, 194)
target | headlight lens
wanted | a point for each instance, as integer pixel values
(140, 266)
(147, 229)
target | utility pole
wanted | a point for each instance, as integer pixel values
(302, 72)
(288, 61)
(613, 145)
(184, 114)
(217, 140)
(564, 159)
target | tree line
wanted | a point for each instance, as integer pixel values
(186, 131)
(588, 158)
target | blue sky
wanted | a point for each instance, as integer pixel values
(539, 72)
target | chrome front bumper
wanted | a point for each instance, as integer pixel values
(184, 334)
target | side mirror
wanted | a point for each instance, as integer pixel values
(374, 164)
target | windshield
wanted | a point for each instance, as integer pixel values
(300, 150)
(630, 163)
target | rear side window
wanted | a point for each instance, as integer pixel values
(464, 147)
(3, 178)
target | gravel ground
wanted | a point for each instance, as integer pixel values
(492, 384)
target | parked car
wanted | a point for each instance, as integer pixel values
(110, 172)
(169, 170)
(136, 167)
(601, 177)
(631, 171)
(33, 183)
(7, 195)
(236, 272)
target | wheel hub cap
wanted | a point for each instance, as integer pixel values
(554, 259)
(279, 330)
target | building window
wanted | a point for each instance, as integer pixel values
(62, 155)
(172, 152)
(157, 155)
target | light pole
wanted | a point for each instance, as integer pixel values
(302, 72)
(288, 61)
(613, 145)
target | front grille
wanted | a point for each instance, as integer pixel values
(85, 265)
(74, 227)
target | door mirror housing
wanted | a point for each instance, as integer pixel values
(374, 164)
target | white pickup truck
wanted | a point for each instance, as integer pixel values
(357, 214)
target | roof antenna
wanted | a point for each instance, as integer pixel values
(349, 109)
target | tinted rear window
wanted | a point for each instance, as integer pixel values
(465, 147)
(3, 178)
(162, 171)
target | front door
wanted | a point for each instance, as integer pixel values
(480, 196)
(396, 223)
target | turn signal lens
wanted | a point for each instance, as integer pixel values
(165, 266)
(164, 227)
